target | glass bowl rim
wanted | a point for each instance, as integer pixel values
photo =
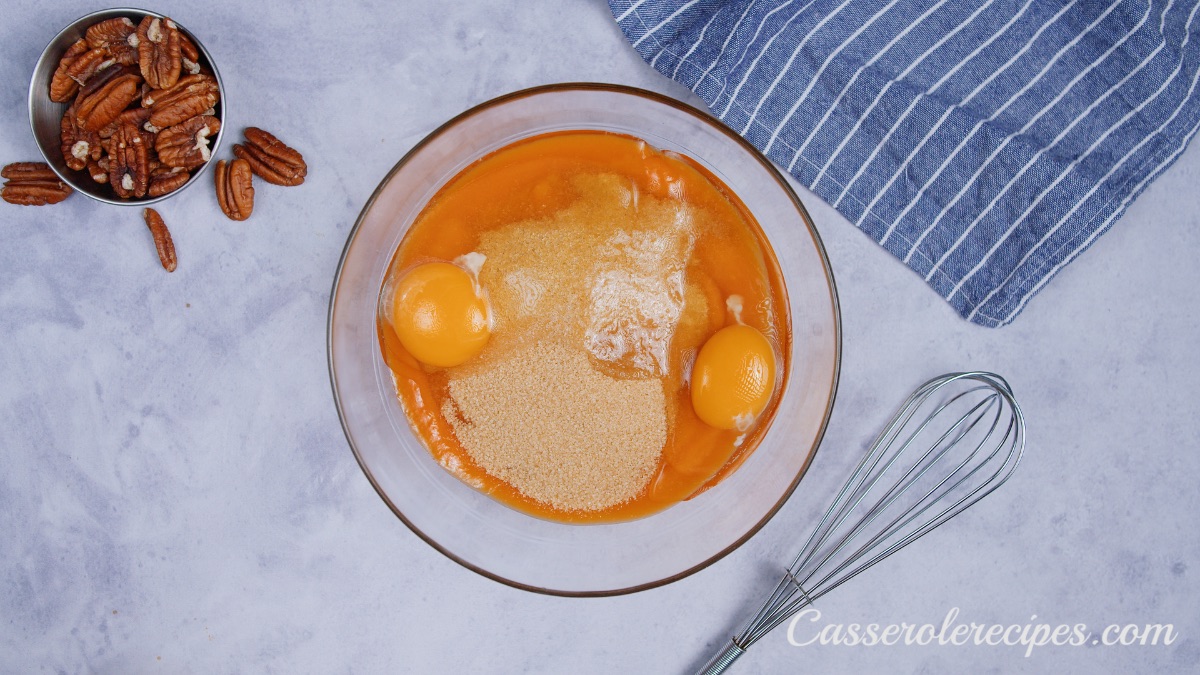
(716, 124)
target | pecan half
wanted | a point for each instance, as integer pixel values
(78, 145)
(98, 170)
(187, 48)
(151, 140)
(128, 162)
(191, 67)
(118, 38)
(88, 64)
(162, 239)
(62, 87)
(109, 31)
(123, 53)
(235, 188)
(104, 76)
(186, 143)
(96, 110)
(191, 96)
(165, 179)
(137, 116)
(32, 184)
(158, 51)
(190, 55)
(270, 159)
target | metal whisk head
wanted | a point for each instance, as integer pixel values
(956, 439)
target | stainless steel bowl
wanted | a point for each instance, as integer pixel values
(45, 116)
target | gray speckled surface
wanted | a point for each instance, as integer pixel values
(177, 495)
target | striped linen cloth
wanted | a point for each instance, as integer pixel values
(986, 143)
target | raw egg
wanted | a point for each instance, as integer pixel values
(733, 378)
(439, 314)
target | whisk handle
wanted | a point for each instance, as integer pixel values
(720, 662)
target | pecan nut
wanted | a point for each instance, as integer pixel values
(95, 110)
(78, 145)
(98, 170)
(128, 162)
(271, 159)
(137, 116)
(187, 48)
(186, 143)
(105, 75)
(117, 38)
(162, 239)
(109, 31)
(123, 53)
(190, 96)
(189, 54)
(158, 51)
(88, 64)
(166, 179)
(32, 184)
(235, 188)
(62, 86)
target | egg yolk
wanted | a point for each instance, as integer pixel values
(439, 315)
(733, 378)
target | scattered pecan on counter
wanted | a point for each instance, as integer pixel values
(162, 239)
(32, 184)
(140, 119)
(271, 159)
(235, 188)
(261, 155)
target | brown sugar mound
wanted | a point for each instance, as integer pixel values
(568, 402)
(548, 423)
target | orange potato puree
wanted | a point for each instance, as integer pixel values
(536, 178)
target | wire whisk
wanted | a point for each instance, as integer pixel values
(957, 438)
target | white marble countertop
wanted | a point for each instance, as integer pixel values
(177, 495)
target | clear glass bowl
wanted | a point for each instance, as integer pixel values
(496, 540)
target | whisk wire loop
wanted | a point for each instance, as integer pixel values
(972, 441)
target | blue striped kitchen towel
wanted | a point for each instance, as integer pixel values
(986, 143)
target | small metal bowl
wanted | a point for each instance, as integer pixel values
(45, 116)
